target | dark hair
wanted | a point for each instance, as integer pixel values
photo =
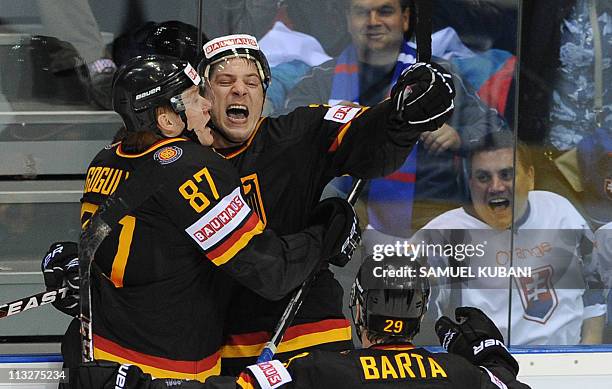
(119, 135)
(378, 338)
(500, 140)
(138, 141)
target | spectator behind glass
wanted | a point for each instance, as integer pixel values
(224, 17)
(322, 19)
(291, 54)
(561, 41)
(73, 21)
(550, 307)
(364, 74)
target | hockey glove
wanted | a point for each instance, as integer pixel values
(342, 232)
(110, 375)
(475, 337)
(60, 268)
(423, 96)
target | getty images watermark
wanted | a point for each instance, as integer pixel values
(445, 261)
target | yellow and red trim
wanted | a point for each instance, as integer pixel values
(153, 147)
(343, 130)
(296, 337)
(236, 241)
(157, 366)
(245, 381)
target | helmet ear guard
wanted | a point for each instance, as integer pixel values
(389, 306)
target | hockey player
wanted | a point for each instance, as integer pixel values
(286, 162)
(387, 316)
(548, 306)
(162, 279)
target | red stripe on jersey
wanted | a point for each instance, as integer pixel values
(229, 242)
(339, 137)
(187, 367)
(291, 333)
(343, 130)
(245, 381)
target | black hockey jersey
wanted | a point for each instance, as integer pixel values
(284, 167)
(381, 366)
(159, 300)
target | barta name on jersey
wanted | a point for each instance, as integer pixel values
(400, 367)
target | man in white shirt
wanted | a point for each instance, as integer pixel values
(545, 234)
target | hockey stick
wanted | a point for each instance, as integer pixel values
(199, 39)
(34, 301)
(142, 184)
(423, 29)
(298, 297)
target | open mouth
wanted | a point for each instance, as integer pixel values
(500, 203)
(237, 112)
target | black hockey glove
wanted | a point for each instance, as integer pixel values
(474, 337)
(423, 96)
(111, 375)
(60, 268)
(342, 232)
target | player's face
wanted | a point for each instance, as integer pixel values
(171, 124)
(377, 25)
(237, 98)
(491, 186)
(197, 111)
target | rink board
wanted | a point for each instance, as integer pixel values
(550, 368)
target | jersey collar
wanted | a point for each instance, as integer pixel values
(153, 147)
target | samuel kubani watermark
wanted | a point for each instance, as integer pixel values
(468, 261)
